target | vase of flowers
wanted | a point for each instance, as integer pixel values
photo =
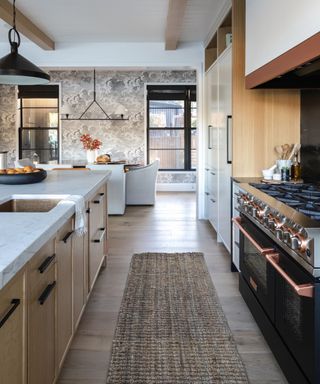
(91, 146)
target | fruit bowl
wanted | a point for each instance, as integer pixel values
(23, 178)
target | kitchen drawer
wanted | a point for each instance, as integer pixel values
(41, 262)
(41, 330)
(12, 331)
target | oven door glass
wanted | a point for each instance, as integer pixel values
(254, 266)
(295, 315)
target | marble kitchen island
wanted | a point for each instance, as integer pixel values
(47, 271)
(22, 234)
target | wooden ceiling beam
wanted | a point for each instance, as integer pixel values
(25, 26)
(175, 16)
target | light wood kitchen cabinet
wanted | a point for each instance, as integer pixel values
(12, 332)
(41, 325)
(64, 289)
(97, 233)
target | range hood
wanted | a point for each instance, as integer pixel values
(298, 68)
(306, 76)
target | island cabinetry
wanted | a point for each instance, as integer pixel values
(97, 233)
(41, 286)
(64, 289)
(12, 332)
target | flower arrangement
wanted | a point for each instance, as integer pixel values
(89, 143)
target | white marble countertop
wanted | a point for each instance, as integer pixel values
(22, 234)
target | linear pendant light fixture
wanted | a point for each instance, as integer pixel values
(14, 68)
(93, 102)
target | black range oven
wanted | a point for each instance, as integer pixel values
(284, 300)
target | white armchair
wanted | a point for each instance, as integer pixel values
(141, 184)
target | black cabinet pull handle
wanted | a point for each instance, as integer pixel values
(99, 239)
(46, 263)
(207, 193)
(212, 173)
(206, 169)
(46, 293)
(88, 210)
(213, 200)
(67, 236)
(13, 306)
(99, 199)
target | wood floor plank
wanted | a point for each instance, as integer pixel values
(169, 226)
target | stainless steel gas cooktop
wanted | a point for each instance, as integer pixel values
(290, 215)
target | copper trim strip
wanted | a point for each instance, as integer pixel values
(237, 222)
(305, 290)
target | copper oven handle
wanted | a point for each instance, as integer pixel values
(305, 290)
(237, 222)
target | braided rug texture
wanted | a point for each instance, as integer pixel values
(171, 328)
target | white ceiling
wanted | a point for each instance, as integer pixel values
(115, 21)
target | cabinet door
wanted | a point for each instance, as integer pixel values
(224, 171)
(41, 328)
(213, 117)
(97, 234)
(12, 345)
(64, 289)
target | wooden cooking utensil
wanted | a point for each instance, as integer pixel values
(279, 151)
(285, 148)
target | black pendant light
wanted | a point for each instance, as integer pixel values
(14, 68)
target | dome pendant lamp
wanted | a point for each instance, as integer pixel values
(14, 68)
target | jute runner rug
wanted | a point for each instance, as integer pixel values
(171, 328)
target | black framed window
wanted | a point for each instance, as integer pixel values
(172, 126)
(39, 122)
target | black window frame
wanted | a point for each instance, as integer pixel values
(49, 91)
(187, 93)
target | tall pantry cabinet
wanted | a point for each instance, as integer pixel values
(218, 160)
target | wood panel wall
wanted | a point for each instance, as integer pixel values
(261, 118)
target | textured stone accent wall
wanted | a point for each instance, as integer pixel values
(117, 92)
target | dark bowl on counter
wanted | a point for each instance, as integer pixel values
(23, 178)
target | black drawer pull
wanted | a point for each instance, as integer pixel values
(207, 193)
(67, 236)
(99, 239)
(46, 293)
(88, 210)
(14, 304)
(206, 169)
(101, 193)
(213, 200)
(46, 263)
(212, 173)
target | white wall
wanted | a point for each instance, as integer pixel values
(111, 55)
(275, 26)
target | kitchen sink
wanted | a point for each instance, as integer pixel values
(29, 205)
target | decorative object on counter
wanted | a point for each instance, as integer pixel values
(91, 146)
(158, 337)
(296, 168)
(103, 159)
(25, 175)
(35, 159)
(95, 102)
(14, 68)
